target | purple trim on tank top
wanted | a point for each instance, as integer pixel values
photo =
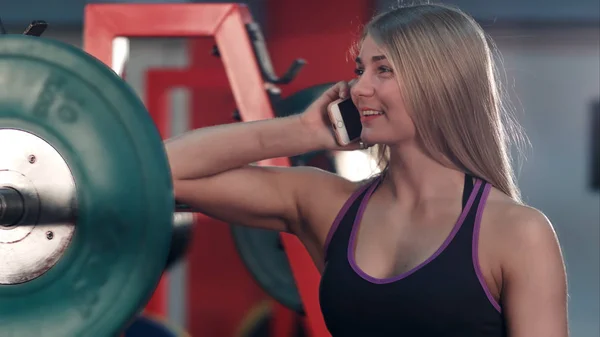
(475, 249)
(351, 245)
(342, 213)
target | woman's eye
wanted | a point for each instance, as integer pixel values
(382, 69)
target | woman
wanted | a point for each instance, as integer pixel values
(439, 243)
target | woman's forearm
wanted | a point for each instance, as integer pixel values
(211, 150)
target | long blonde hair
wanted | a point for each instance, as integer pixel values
(450, 83)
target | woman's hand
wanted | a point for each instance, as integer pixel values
(317, 120)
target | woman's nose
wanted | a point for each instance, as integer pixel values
(361, 87)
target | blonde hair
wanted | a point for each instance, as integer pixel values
(449, 82)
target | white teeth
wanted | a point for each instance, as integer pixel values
(372, 113)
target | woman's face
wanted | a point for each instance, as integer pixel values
(378, 96)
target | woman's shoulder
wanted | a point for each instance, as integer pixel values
(515, 228)
(507, 213)
(522, 241)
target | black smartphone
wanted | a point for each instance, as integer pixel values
(345, 119)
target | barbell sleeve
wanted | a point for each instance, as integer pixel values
(12, 206)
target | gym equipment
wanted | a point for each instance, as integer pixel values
(149, 326)
(99, 131)
(226, 24)
(264, 256)
(35, 28)
(295, 104)
(85, 192)
(76, 184)
(259, 47)
(183, 225)
(261, 250)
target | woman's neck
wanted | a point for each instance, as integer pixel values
(414, 177)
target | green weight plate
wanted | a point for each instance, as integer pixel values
(263, 254)
(124, 196)
(297, 103)
(261, 250)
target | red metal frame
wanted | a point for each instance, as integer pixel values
(226, 23)
(159, 83)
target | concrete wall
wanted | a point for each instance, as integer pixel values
(69, 12)
(521, 11)
(555, 75)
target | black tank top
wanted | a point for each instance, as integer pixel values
(445, 296)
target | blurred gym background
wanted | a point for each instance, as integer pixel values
(551, 55)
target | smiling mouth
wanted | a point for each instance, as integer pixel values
(369, 113)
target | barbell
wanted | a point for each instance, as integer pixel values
(86, 200)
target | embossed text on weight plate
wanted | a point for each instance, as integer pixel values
(54, 100)
(100, 257)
